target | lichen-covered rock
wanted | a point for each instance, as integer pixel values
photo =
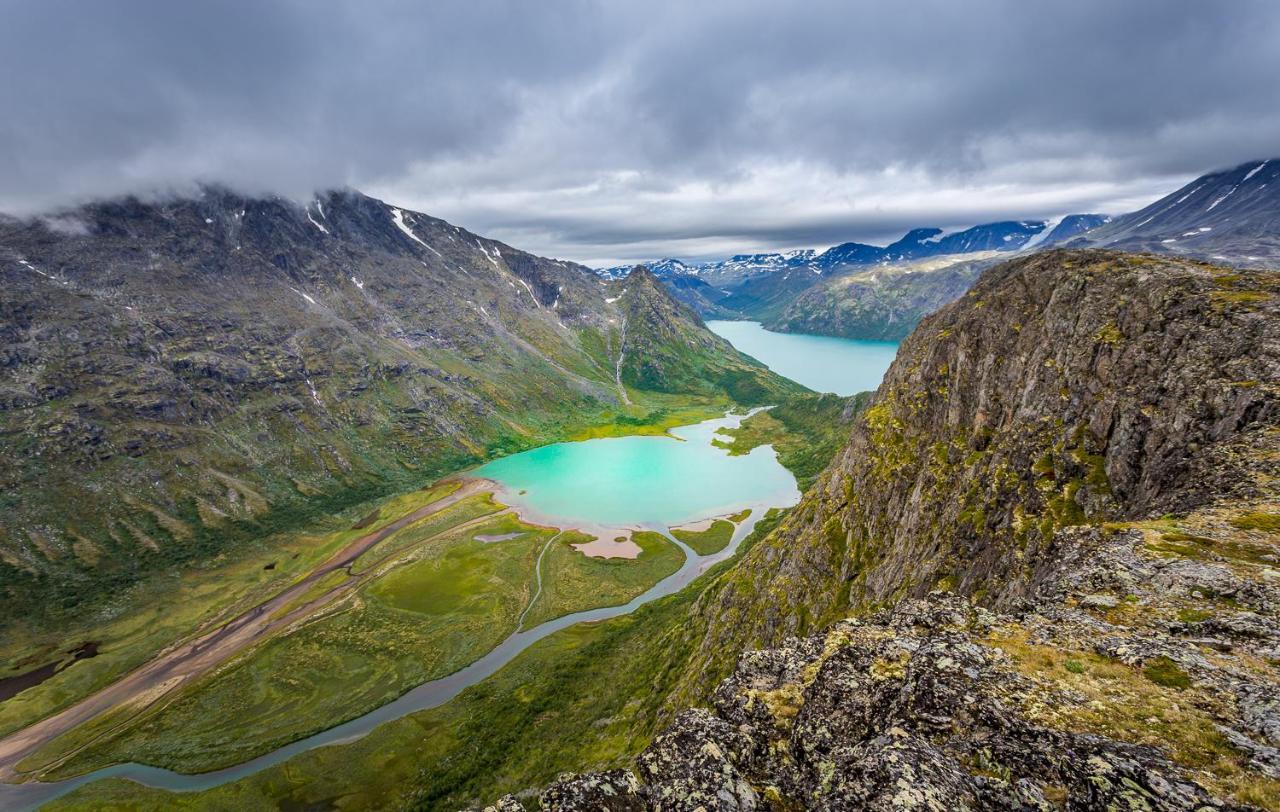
(611, 791)
(697, 764)
(507, 803)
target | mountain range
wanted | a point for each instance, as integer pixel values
(855, 290)
(1037, 571)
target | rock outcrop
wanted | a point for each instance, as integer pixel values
(939, 704)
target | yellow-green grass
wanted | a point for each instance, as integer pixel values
(654, 414)
(167, 608)
(316, 590)
(590, 696)
(574, 582)
(455, 599)
(806, 430)
(712, 540)
(464, 510)
(587, 696)
(740, 516)
(1156, 704)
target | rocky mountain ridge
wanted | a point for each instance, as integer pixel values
(1231, 217)
(883, 303)
(1043, 574)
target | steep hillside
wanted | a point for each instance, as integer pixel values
(882, 302)
(665, 348)
(182, 376)
(701, 297)
(1086, 448)
(1232, 217)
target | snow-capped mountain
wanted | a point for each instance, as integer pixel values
(1069, 227)
(918, 243)
(1230, 216)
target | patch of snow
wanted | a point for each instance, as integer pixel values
(208, 220)
(1255, 171)
(31, 267)
(314, 394)
(357, 283)
(1043, 234)
(1224, 197)
(1007, 237)
(303, 295)
(316, 224)
(488, 256)
(1188, 194)
(612, 300)
(526, 287)
(1168, 240)
(397, 217)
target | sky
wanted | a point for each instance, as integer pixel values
(609, 132)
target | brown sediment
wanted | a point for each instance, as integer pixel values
(602, 548)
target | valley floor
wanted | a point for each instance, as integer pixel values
(422, 585)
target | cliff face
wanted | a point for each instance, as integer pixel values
(1045, 567)
(1066, 388)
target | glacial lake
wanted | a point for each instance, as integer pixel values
(845, 366)
(654, 482)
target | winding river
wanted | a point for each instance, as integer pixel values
(599, 486)
(620, 496)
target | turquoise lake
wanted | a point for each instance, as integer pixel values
(654, 482)
(824, 364)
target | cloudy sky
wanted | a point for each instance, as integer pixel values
(611, 131)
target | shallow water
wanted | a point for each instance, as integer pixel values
(662, 466)
(653, 482)
(845, 366)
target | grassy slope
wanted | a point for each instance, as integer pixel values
(573, 582)
(805, 430)
(705, 542)
(589, 696)
(436, 610)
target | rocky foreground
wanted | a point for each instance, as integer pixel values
(938, 704)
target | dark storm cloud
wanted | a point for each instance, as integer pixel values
(603, 130)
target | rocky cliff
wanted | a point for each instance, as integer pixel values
(1042, 574)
